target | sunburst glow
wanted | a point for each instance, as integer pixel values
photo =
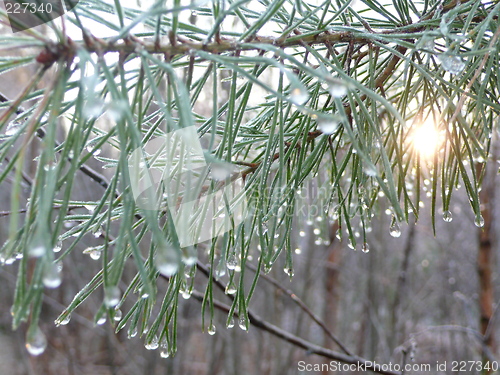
(426, 139)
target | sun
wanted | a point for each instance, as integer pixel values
(426, 139)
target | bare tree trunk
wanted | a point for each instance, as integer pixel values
(485, 255)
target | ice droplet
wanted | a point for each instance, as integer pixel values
(36, 343)
(447, 216)
(112, 296)
(479, 221)
(168, 260)
(328, 124)
(299, 95)
(51, 277)
(451, 63)
(337, 88)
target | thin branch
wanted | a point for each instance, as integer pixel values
(304, 307)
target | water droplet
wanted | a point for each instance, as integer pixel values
(479, 221)
(317, 231)
(57, 247)
(302, 233)
(337, 88)
(220, 272)
(164, 353)
(64, 321)
(299, 95)
(186, 293)
(168, 260)
(90, 146)
(230, 323)
(51, 277)
(97, 233)
(298, 251)
(211, 330)
(132, 332)
(242, 323)
(288, 271)
(153, 344)
(230, 288)
(112, 295)
(95, 254)
(144, 295)
(447, 216)
(36, 343)
(365, 248)
(370, 171)
(451, 63)
(101, 320)
(328, 124)
(394, 229)
(231, 262)
(118, 315)
(13, 128)
(309, 222)
(350, 245)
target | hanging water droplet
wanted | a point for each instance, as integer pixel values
(328, 124)
(95, 254)
(132, 332)
(479, 221)
(309, 222)
(51, 277)
(317, 231)
(90, 146)
(451, 63)
(57, 247)
(211, 330)
(63, 321)
(447, 216)
(365, 248)
(350, 245)
(167, 260)
(298, 251)
(230, 288)
(337, 88)
(302, 233)
(242, 323)
(288, 271)
(112, 295)
(118, 315)
(230, 323)
(101, 320)
(36, 343)
(144, 295)
(97, 233)
(299, 95)
(186, 293)
(153, 344)
(394, 229)
(13, 128)
(164, 353)
(231, 262)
